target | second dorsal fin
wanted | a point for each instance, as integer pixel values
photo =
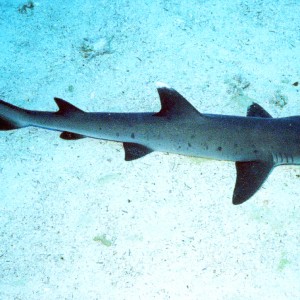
(65, 107)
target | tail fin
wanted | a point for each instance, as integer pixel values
(11, 116)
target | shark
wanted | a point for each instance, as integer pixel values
(256, 142)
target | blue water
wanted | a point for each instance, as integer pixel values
(76, 220)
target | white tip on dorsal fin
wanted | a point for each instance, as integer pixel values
(161, 85)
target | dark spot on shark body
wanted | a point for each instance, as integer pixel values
(132, 136)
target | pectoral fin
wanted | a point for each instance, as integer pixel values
(250, 177)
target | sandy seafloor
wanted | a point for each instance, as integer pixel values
(76, 220)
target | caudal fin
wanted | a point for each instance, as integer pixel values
(11, 116)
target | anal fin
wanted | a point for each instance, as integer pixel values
(250, 177)
(71, 136)
(134, 151)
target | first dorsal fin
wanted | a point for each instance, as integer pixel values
(66, 107)
(174, 104)
(255, 110)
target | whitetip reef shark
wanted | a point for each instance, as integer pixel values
(256, 143)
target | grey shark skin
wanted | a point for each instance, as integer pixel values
(256, 143)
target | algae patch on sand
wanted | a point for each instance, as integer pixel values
(283, 263)
(103, 240)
